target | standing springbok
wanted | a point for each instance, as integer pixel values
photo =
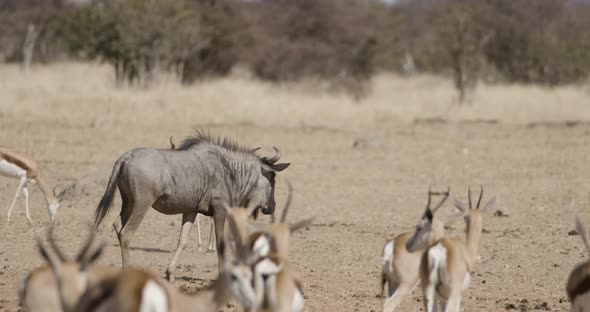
(211, 245)
(197, 177)
(402, 255)
(42, 290)
(276, 281)
(579, 279)
(446, 267)
(26, 170)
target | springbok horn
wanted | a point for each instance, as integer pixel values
(446, 195)
(54, 246)
(84, 252)
(480, 196)
(276, 157)
(288, 203)
(469, 196)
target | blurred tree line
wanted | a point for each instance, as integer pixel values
(542, 42)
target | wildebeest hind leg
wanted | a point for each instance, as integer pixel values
(132, 214)
(187, 222)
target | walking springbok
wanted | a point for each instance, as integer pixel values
(446, 267)
(41, 290)
(402, 255)
(197, 177)
(579, 279)
(211, 245)
(26, 170)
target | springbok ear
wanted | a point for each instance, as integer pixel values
(490, 204)
(458, 204)
(280, 167)
(53, 261)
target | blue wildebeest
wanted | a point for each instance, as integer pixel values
(201, 176)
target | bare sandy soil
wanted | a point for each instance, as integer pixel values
(362, 193)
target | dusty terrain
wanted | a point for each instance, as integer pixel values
(362, 168)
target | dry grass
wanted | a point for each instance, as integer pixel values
(84, 95)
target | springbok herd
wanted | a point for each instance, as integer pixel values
(223, 180)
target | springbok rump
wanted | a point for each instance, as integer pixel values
(26, 170)
(200, 176)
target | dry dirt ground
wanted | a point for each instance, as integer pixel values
(365, 183)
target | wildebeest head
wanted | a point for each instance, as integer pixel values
(269, 169)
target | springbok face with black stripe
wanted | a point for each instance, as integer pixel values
(578, 284)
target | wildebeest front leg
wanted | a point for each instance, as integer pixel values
(187, 222)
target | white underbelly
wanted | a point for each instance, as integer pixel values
(11, 170)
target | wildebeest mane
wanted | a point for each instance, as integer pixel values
(202, 137)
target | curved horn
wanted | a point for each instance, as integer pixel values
(469, 196)
(85, 250)
(288, 203)
(276, 157)
(480, 196)
(254, 150)
(54, 246)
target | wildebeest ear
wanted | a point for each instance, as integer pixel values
(280, 167)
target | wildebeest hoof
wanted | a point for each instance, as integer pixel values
(210, 251)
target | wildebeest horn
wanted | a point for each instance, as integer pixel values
(254, 150)
(288, 203)
(276, 157)
(53, 244)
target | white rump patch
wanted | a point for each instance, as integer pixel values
(153, 298)
(11, 170)
(388, 257)
(261, 246)
(437, 262)
(298, 302)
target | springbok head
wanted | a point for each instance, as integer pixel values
(428, 229)
(474, 215)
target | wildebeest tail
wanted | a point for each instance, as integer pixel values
(107, 199)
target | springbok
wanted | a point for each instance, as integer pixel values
(578, 281)
(446, 266)
(26, 170)
(211, 245)
(402, 255)
(276, 281)
(197, 177)
(42, 291)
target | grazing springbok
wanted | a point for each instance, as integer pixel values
(402, 255)
(211, 245)
(577, 284)
(446, 266)
(42, 290)
(26, 170)
(197, 177)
